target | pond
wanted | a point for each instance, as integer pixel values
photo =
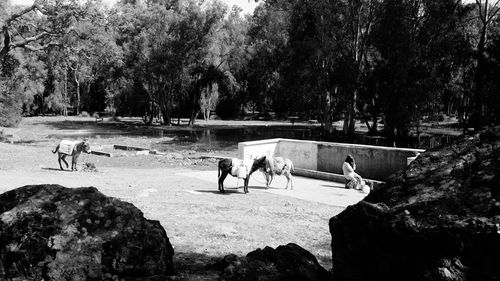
(205, 139)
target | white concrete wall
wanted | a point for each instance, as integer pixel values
(373, 162)
(304, 154)
(254, 149)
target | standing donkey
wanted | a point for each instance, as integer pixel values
(238, 168)
(278, 166)
(73, 149)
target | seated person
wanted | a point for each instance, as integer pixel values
(353, 179)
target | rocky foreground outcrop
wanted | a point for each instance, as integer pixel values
(49, 232)
(286, 262)
(438, 220)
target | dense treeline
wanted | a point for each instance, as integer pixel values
(390, 61)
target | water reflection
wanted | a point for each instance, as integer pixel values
(208, 139)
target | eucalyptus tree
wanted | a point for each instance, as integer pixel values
(223, 77)
(312, 54)
(493, 74)
(163, 45)
(268, 37)
(358, 20)
(421, 47)
(487, 14)
(330, 56)
(92, 57)
(27, 31)
(211, 60)
(38, 26)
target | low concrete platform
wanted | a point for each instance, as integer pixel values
(327, 192)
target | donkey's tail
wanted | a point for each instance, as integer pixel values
(56, 150)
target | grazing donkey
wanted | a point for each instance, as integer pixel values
(238, 168)
(72, 148)
(278, 166)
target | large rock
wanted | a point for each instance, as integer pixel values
(438, 220)
(289, 262)
(49, 232)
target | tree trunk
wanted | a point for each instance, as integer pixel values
(478, 113)
(374, 129)
(43, 102)
(349, 118)
(195, 110)
(477, 118)
(77, 82)
(193, 117)
(352, 121)
(65, 92)
(328, 110)
(163, 109)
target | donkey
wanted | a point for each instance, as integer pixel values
(278, 166)
(238, 168)
(72, 148)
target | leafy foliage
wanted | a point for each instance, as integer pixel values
(395, 60)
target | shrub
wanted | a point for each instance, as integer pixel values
(10, 110)
(84, 114)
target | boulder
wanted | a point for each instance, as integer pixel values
(289, 262)
(437, 220)
(49, 232)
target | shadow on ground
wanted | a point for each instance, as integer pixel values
(233, 190)
(56, 169)
(195, 266)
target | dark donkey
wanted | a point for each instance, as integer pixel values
(72, 148)
(232, 166)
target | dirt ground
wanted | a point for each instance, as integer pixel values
(200, 222)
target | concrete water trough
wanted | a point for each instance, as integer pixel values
(129, 147)
(323, 160)
(101, 153)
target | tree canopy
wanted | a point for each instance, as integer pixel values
(388, 62)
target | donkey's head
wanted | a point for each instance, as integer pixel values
(84, 146)
(258, 163)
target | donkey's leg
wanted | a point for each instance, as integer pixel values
(59, 160)
(221, 181)
(74, 161)
(289, 180)
(268, 181)
(63, 157)
(271, 178)
(245, 184)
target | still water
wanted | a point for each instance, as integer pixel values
(224, 138)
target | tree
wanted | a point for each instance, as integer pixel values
(45, 26)
(421, 48)
(330, 54)
(268, 49)
(27, 29)
(208, 100)
(487, 13)
(360, 17)
(224, 62)
(163, 48)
